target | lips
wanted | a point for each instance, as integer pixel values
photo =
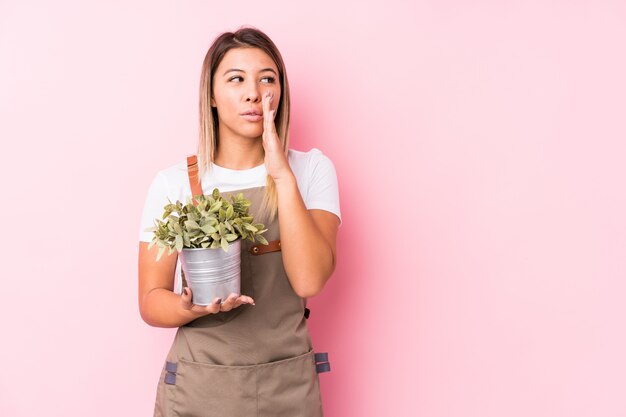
(252, 116)
(252, 113)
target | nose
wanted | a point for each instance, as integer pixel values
(253, 94)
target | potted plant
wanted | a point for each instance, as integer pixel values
(208, 236)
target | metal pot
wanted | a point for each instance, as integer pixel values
(212, 273)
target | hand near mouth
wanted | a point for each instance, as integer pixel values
(276, 162)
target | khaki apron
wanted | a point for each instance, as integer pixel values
(255, 360)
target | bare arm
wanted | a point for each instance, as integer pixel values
(308, 240)
(307, 236)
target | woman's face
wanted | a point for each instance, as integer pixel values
(239, 82)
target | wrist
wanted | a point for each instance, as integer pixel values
(286, 181)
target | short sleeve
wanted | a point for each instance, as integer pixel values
(323, 190)
(154, 206)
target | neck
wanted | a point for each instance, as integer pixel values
(239, 153)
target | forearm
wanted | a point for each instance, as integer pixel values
(162, 308)
(307, 256)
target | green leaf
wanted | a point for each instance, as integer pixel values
(231, 236)
(215, 206)
(208, 229)
(224, 244)
(161, 250)
(262, 239)
(249, 227)
(191, 225)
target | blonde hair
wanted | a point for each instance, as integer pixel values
(245, 37)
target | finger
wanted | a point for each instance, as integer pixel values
(266, 105)
(230, 302)
(185, 298)
(242, 299)
(214, 307)
(247, 300)
(268, 115)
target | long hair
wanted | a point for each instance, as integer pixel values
(208, 140)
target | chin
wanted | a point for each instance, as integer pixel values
(252, 133)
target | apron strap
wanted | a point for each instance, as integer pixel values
(272, 246)
(196, 189)
(194, 180)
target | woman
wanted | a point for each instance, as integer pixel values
(250, 354)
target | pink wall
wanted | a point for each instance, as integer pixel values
(480, 153)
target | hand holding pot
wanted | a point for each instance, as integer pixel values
(233, 301)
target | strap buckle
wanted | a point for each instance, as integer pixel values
(321, 362)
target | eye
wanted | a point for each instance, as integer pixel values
(270, 80)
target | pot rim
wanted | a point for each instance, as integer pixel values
(234, 242)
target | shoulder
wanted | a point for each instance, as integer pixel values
(173, 175)
(297, 155)
(174, 169)
(317, 180)
(305, 162)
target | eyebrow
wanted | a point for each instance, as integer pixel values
(237, 69)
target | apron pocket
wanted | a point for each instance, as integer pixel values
(289, 388)
(207, 390)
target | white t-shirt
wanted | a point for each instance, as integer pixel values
(315, 175)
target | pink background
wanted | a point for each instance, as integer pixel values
(480, 153)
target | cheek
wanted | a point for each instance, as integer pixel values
(226, 103)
